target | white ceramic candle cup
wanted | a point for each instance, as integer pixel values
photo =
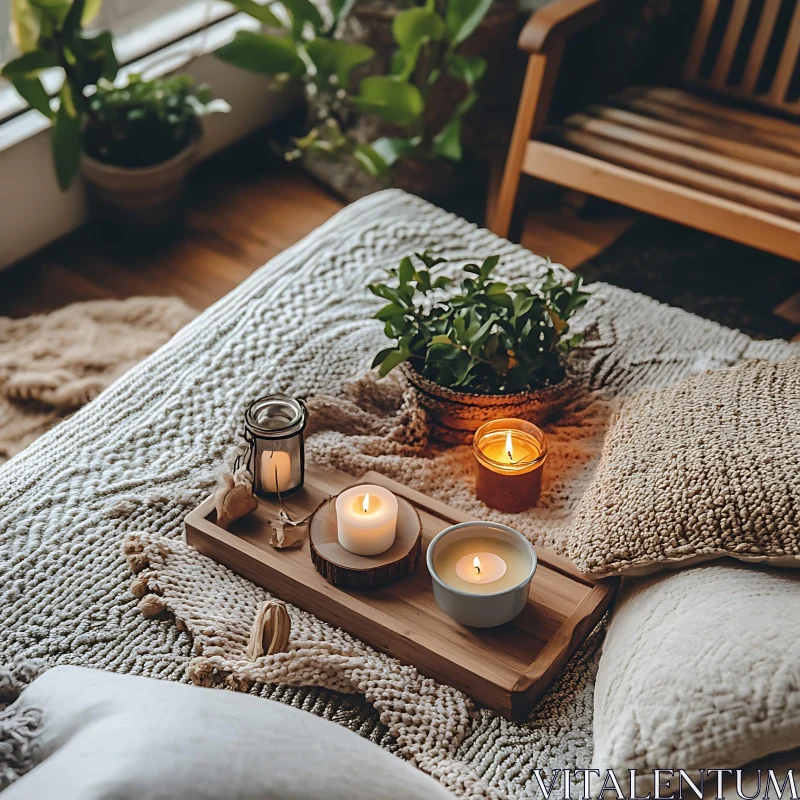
(482, 610)
(366, 533)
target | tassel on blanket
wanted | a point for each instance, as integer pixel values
(18, 727)
(270, 631)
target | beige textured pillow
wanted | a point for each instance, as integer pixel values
(700, 669)
(707, 468)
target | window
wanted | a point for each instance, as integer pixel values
(140, 27)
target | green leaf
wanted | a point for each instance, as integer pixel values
(383, 291)
(29, 64)
(389, 311)
(32, 91)
(412, 29)
(379, 358)
(73, 20)
(340, 9)
(469, 69)
(334, 57)
(90, 11)
(462, 17)
(95, 58)
(405, 272)
(258, 11)
(394, 358)
(54, 11)
(66, 139)
(447, 143)
(390, 149)
(24, 26)
(370, 160)
(303, 11)
(393, 100)
(488, 265)
(262, 53)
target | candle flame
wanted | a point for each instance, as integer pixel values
(509, 447)
(476, 562)
(365, 504)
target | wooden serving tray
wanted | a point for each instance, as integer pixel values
(507, 668)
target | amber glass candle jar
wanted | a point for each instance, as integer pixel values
(510, 456)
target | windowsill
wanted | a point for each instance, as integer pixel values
(34, 212)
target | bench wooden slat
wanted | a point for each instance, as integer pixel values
(735, 147)
(758, 50)
(700, 209)
(690, 155)
(697, 49)
(710, 117)
(678, 173)
(788, 61)
(722, 67)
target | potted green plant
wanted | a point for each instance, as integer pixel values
(136, 142)
(483, 351)
(380, 121)
(139, 145)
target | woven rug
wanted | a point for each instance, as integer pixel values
(133, 462)
(715, 278)
(52, 364)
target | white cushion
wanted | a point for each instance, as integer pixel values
(106, 735)
(700, 669)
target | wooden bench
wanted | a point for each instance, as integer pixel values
(720, 153)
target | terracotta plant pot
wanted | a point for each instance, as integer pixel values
(142, 199)
(455, 416)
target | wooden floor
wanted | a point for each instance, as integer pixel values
(244, 208)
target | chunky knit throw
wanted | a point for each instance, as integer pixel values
(51, 364)
(130, 465)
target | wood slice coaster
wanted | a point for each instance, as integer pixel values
(350, 571)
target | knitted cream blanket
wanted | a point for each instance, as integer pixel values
(131, 464)
(51, 364)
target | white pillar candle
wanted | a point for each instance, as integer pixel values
(276, 471)
(366, 519)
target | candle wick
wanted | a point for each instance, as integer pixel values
(477, 569)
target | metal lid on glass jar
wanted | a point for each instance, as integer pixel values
(275, 416)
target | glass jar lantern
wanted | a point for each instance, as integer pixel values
(274, 427)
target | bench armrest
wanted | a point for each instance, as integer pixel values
(552, 24)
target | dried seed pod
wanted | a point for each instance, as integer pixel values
(270, 631)
(232, 501)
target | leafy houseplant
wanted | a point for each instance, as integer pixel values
(136, 143)
(481, 349)
(144, 123)
(427, 37)
(49, 34)
(139, 145)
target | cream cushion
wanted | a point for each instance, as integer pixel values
(705, 468)
(700, 669)
(106, 735)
